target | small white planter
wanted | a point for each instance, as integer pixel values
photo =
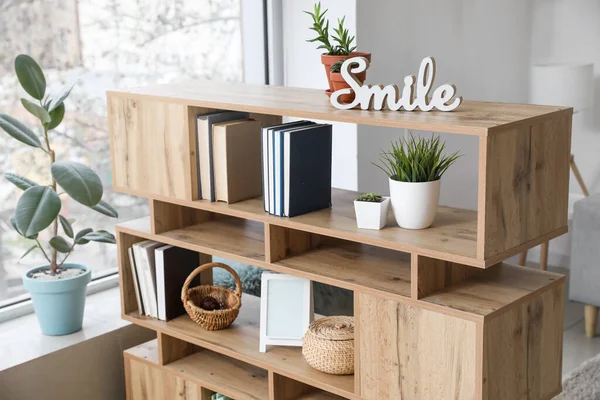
(370, 215)
(414, 203)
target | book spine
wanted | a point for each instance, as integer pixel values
(265, 168)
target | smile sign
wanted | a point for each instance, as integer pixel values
(415, 94)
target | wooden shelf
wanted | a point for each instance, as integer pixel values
(357, 266)
(427, 324)
(472, 117)
(212, 371)
(452, 237)
(240, 341)
(232, 238)
(495, 289)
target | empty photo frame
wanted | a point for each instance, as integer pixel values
(286, 309)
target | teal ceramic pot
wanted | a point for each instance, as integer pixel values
(59, 304)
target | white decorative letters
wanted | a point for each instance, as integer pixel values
(377, 97)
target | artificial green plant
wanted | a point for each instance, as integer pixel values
(39, 206)
(343, 42)
(416, 160)
(370, 198)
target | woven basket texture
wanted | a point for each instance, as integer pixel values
(328, 345)
(231, 301)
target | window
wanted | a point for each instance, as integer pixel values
(102, 44)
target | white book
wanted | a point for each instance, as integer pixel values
(146, 250)
(136, 285)
(265, 167)
(286, 173)
(277, 172)
(270, 148)
(141, 271)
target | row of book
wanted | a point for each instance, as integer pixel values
(296, 167)
(159, 272)
(228, 156)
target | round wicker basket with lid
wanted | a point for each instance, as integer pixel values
(328, 345)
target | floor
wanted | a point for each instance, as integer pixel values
(577, 348)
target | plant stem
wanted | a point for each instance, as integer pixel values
(42, 249)
(66, 256)
(53, 265)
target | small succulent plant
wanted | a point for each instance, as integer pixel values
(337, 66)
(371, 198)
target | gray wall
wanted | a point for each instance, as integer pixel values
(90, 370)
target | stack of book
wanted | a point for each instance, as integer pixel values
(228, 156)
(159, 272)
(296, 165)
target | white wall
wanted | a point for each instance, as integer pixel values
(482, 46)
(303, 68)
(485, 47)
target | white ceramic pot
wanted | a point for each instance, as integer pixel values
(370, 215)
(414, 203)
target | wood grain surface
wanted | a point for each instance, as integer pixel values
(472, 117)
(523, 350)
(526, 184)
(411, 353)
(240, 341)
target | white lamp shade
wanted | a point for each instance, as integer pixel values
(562, 85)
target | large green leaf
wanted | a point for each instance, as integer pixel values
(56, 116)
(36, 209)
(19, 131)
(101, 236)
(66, 225)
(79, 181)
(60, 244)
(79, 237)
(30, 76)
(59, 100)
(13, 222)
(39, 112)
(104, 208)
(19, 181)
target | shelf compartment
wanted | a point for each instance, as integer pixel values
(341, 263)
(224, 236)
(241, 341)
(212, 371)
(487, 292)
(288, 389)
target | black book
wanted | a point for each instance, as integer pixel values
(173, 266)
(307, 169)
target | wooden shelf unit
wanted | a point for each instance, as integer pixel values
(437, 312)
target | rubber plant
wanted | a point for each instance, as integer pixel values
(39, 206)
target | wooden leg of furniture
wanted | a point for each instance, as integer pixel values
(544, 256)
(523, 258)
(591, 318)
(575, 170)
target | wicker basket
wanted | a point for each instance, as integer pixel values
(212, 320)
(328, 345)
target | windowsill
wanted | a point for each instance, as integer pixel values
(22, 340)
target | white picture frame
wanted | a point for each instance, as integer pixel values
(286, 310)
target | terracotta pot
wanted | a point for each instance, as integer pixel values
(328, 61)
(339, 83)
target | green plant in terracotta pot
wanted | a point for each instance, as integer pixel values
(57, 288)
(338, 47)
(338, 82)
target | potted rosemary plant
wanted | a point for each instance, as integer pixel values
(371, 211)
(57, 289)
(414, 168)
(339, 47)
